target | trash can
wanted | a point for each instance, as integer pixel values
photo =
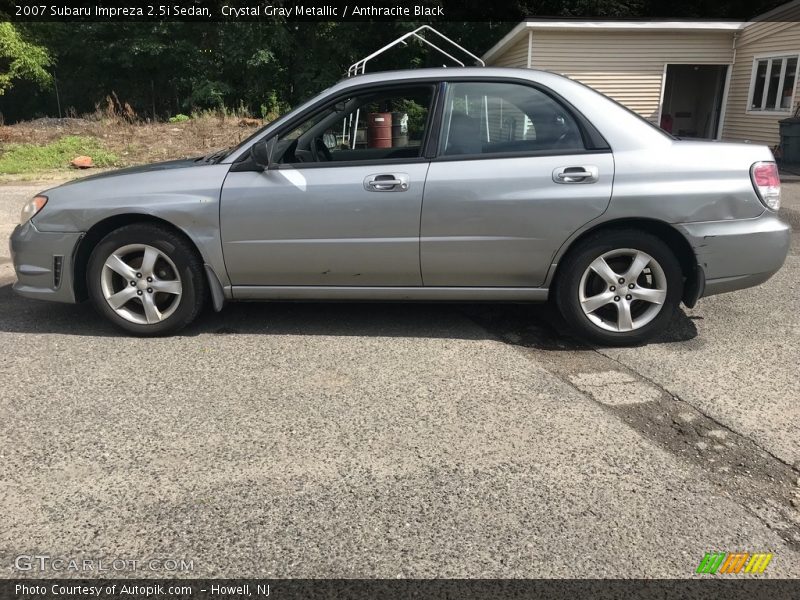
(379, 130)
(790, 139)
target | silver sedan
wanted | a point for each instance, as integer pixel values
(474, 184)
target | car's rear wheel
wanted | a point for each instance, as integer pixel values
(146, 279)
(619, 287)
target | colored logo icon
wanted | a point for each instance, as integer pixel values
(734, 562)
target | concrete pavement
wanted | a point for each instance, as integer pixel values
(304, 440)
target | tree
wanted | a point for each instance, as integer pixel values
(21, 60)
(168, 67)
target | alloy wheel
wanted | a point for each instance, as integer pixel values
(622, 290)
(141, 284)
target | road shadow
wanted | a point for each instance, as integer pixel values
(532, 325)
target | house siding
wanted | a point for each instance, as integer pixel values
(775, 38)
(515, 56)
(625, 65)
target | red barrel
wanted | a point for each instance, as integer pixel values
(379, 130)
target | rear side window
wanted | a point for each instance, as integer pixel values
(497, 118)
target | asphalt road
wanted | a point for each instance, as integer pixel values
(384, 440)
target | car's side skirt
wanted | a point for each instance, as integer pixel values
(424, 294)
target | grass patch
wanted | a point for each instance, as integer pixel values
(31, 158)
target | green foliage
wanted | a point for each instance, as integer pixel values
(164, 68)
(179, 118)
(21, 59)
(272, 108)
(417, 117)
(207, 94)
(27, 158)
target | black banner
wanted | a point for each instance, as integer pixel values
(361, 10)
(733, 588)
(263, 10)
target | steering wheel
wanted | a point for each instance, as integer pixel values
(319, 151)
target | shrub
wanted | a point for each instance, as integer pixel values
(179, 118)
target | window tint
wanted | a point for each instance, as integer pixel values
(373, 126)
(491, 118)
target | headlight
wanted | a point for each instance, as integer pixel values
(31, 208)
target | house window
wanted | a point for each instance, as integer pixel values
(772, 87)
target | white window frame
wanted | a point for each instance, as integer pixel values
(771, 61)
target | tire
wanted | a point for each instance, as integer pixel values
(651, 297)
(117, 273)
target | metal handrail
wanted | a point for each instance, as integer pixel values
(360, 67)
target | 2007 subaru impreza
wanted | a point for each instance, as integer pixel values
(474, 184)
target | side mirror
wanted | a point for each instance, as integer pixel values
(261, 152)
(258, 158)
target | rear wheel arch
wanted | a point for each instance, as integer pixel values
(101, 229)
(676, 241)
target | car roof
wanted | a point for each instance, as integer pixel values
(449, 73)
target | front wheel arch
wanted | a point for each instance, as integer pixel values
(100, 230)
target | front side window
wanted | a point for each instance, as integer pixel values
(371, 126)
(496, 118)
(773, 83)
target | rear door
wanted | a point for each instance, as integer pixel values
(517, 172)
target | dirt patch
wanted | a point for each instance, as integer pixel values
(134, 143)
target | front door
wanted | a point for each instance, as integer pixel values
(342, 207)
(516, 174)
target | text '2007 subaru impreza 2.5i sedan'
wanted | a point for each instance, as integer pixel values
(471, 184)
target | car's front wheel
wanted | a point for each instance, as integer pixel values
(146, 279)
(619, 287)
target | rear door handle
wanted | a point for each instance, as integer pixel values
(386, 182)
(576, 174)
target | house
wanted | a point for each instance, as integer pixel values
(712, 79)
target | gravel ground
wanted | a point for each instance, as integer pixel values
(314, 440)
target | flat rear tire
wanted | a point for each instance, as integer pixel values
(619, 287)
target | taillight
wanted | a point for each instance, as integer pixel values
(767, 183)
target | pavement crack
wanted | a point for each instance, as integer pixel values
(706, 415)
(762, 483)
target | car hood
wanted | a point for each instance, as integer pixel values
(159, 166)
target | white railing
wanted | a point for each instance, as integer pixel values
(360, 67)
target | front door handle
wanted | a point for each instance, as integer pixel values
(386, 182)
(577, 174)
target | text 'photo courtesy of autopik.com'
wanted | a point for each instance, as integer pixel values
(399, 299)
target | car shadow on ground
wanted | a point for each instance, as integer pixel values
(530, 325)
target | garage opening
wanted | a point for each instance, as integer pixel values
(693, 96)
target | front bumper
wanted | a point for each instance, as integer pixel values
(44, 263)
(739, 253)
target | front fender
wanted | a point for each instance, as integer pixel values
(187, 198)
